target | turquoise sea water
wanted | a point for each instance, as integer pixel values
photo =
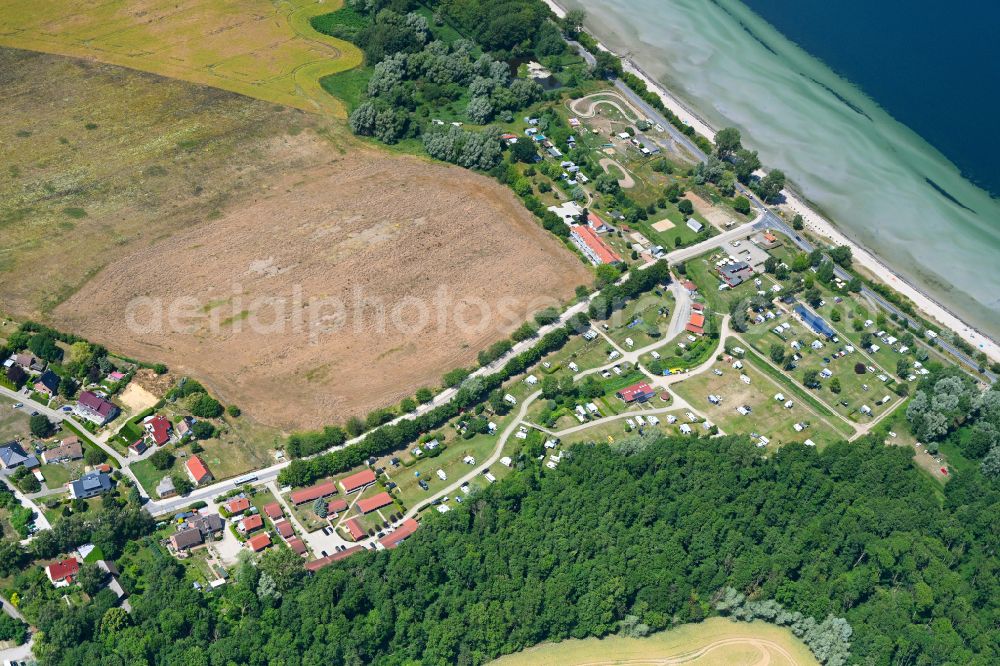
(879, 182)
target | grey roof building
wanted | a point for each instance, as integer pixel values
(90, 484)
(12, 454)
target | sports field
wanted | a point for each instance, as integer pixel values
(266, 50)
(714, 642)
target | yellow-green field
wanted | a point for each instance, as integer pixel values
(262, 49)
(715, 642)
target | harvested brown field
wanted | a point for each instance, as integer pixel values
(426, 245)
(124, 185)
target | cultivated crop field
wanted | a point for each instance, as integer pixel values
(714, 642)
(253, 47)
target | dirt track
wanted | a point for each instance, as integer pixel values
(390, 229)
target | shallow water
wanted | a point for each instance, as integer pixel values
(876, 179)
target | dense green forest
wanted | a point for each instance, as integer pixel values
(647, 534)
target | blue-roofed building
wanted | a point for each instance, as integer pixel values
(12, 455)
(814, 321)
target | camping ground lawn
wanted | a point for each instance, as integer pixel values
(853, 390)
(408, 490)
(617, 429)
(768, 417)
(645, 311)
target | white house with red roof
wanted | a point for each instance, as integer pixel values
(158, 429)
(62, 572)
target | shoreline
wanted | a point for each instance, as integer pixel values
(819, 225)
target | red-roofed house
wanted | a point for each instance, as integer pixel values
(336, 506)
(284, 529)
(297, 546)
(593, 246)
(158, 428)
(596, 223)
(237, 505)
(397, 536)
(61, 572)
(696, 324)
(354, 529)
(640, 392)
(313, 492)
(197, 470)
(251, 523)
(372, 503)
(139, 446)
(273, 510)
(691, 287)
(259, 542)
(357, 481)
(698, 307)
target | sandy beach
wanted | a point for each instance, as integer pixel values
(820, 226)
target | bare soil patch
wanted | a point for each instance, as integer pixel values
(716, 215)
(136, 398)
(368, 231)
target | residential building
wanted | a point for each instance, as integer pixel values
(186, 538)
(358, 481)
(62, 572)
(29, 362)
(736, 273)
(336, 506)
(297, 546)
(69, 449)
(206, 523)
(251, 523)
(158, 429)
(95, 408)
(48, 383)
(90, 484)
(640, 392)
(138, 447)
(593, 246)
(696, 323)
(273, 511)
(237, 505)
(370, 504)
(12, 455)
(197, 470)
(284, 528)
(597, 224)
(354, 529)
(259, 542)
(312, 493)
(397, 536)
